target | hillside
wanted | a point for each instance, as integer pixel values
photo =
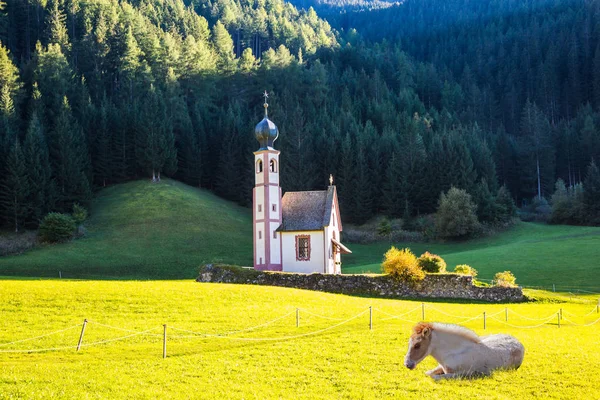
(143, 230)
(538, 255)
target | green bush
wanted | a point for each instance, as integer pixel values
(465, 269)
(57, 227)
(402, 265)
(505, 279)
(456, 216)
(80, 214)
(431, 263)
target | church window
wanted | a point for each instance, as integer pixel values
(274, 235)
(273, 165)
(259, 166)
(260, 234)
(274, 207)
(302, 248)
(260, 208)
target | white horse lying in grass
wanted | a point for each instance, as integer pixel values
(460, 352)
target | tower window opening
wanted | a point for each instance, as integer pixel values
(273, 165)
(259, 166)
(274, 207)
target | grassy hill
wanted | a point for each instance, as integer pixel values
(347, 362)
(145, 230)
(142, 230)
(538, 254)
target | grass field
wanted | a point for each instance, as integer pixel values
(349, 361)
(539, 255)
(145, 230)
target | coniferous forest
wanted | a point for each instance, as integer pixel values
(399, 102)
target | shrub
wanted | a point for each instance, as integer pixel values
(505, 279)
(465, 269)
(402, 265)
(456, 215)
(431, 263)
(57, 227)
(80, 214)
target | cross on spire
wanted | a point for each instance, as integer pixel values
(330, 180)
(266, 105)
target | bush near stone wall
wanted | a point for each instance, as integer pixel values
(448, 286)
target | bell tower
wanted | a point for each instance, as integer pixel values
(266, 197)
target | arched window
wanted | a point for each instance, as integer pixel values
(259, 166)
(273, 166)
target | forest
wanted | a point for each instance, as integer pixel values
(399, 103)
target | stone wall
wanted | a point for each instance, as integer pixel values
(449, 286)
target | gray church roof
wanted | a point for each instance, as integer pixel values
(306, 211)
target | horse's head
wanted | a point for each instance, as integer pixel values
(418, 345)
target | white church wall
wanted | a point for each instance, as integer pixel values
(259, 176)
(259, 200)
(259, 232)
(317, 252)
(275, 247)
(273, 176)
(274, 199)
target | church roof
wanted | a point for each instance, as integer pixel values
(306, 211)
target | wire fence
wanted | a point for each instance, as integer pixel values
(420, 313)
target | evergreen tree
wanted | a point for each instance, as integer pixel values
(35, 151)
(15, 188)
(592, 193)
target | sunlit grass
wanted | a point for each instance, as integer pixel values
(146, 230)
(347, 362)
(538, 255)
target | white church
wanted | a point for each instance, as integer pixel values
(299, 232)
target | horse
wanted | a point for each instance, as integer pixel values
(460, 352)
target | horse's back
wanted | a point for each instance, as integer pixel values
(507, 348)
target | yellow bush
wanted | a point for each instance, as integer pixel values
(402, 265)
(505, 279)
(465, 269)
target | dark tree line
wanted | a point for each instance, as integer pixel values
(99, 92)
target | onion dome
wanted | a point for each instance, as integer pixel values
(266, 131)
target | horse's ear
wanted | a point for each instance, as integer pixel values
(426, 332)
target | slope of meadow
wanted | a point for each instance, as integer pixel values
(349, 361)
(538, 254)
(145, 230)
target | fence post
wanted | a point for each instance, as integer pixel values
(59, 274)
(553, 287)
(560, 313)
(506, 314)
(484, 320)
(297, 317)
(165, 341)
(370, 317)
(81, 336)
(422, 311)
(558, 317)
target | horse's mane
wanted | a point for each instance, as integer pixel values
(457, 330)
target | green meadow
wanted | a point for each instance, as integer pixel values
(348, 361)
(141, 230)
(538, 255)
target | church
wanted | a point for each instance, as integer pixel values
(299, 232)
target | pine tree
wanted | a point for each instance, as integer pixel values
(394, 198)
(15, 188)
(69, 159)
(592, 193)
(224, 48)
(57, 27)
(35, 151)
